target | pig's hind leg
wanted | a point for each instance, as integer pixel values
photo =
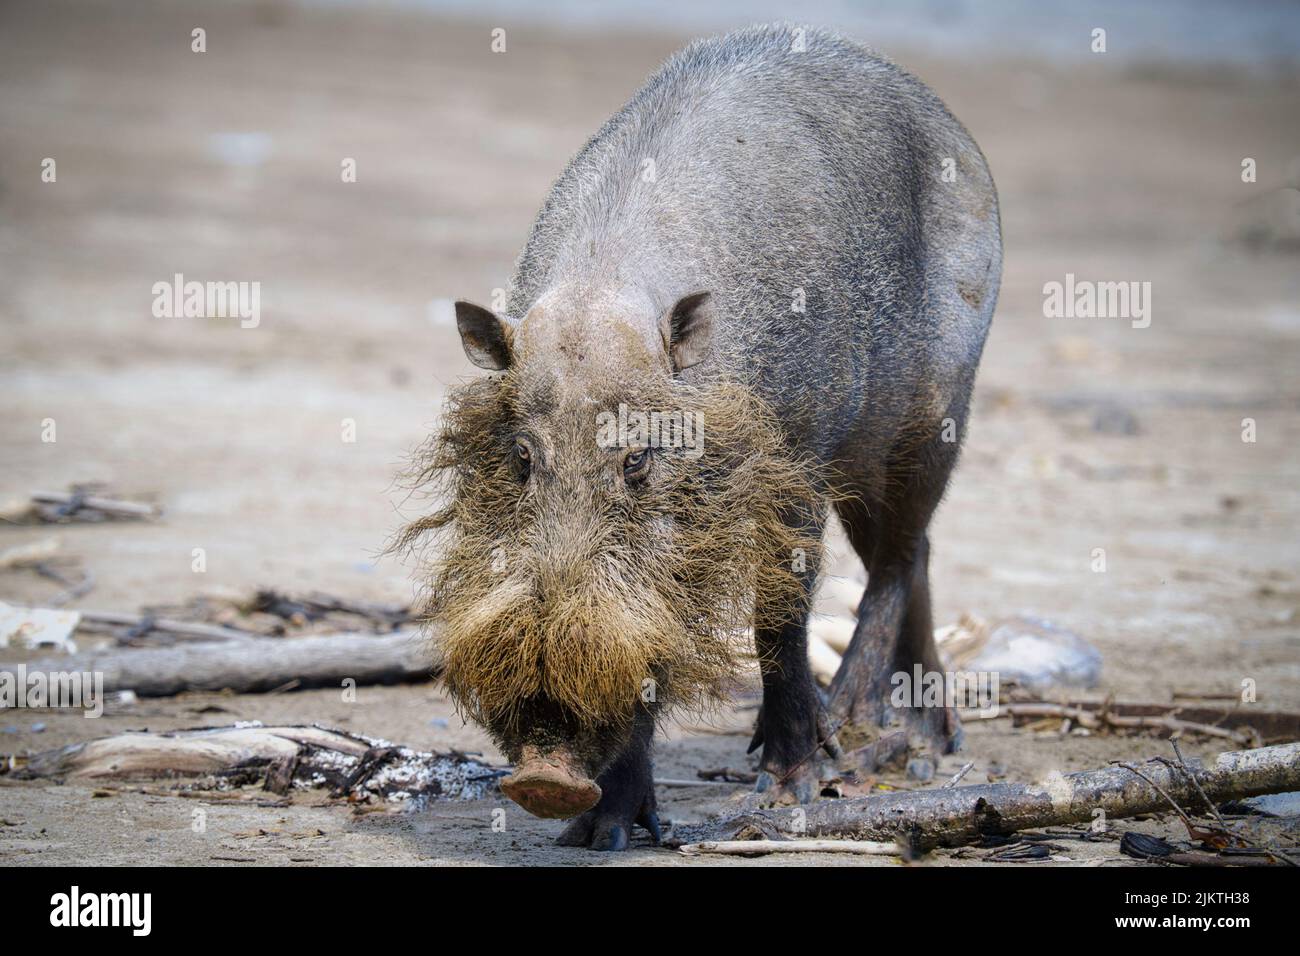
(627, 797)
(876, 687)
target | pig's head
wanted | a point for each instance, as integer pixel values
(591, 569)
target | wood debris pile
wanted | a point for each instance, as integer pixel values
(355, 768)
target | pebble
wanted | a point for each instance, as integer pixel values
(920, 769)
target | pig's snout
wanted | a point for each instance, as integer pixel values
(551, 784)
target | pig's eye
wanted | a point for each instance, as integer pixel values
(636, 464)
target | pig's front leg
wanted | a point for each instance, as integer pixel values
(792, 725)
(790, 728)
(627, 797)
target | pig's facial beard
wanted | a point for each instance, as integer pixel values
(578, 663)
(643, 606)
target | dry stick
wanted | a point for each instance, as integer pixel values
(250, 666)
(280, 756)
(727, 775)
(207, 632)
(1214, 811)
(1187, 821)
(72, 589)
(964, 815)
(180, 753)
(700, 729)
(956, 778)
(675, 782)
(113, 506)
(1103, 718)
(1196, 858)
(761, 847)
(1264, 726)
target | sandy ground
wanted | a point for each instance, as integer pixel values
(1106, 170)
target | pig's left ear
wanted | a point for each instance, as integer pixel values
(485, 335)
(688, 330)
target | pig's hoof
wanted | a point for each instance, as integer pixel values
(607, 828)
(933, 730)
(598, 832)
(551, 789)
(773, 791)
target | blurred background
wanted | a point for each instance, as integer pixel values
(227, 165)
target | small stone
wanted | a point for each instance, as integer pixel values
(920, 769)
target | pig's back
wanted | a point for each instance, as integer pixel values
(806, 190)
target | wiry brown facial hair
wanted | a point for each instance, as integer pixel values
(651, 583)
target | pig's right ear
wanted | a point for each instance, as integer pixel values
(485, 335)
(687, 330)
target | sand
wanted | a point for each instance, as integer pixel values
(1087, 433)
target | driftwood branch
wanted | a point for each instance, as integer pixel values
(80, 504)
(727, 775)
(1105, 718)
(959, 816)
(279, 758)
(763, 847)
(91, 620)
(78, 500)
(250, 665)
(1247, 724)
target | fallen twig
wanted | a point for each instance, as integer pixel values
(762, 847)
(727, 775)
(73, 588)
(140, 624)
(956, 778)
(281, 759)
(964, 815)
(325, 609)
(80, 504)
(1182, 814)
(675, 782)
(251, 665)
(1110, 716)
(1209, 804)
(43, 558)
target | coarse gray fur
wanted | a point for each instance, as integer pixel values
(845, 229)
(760, 172)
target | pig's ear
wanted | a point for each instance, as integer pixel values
(688, 330)
(485, 335)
